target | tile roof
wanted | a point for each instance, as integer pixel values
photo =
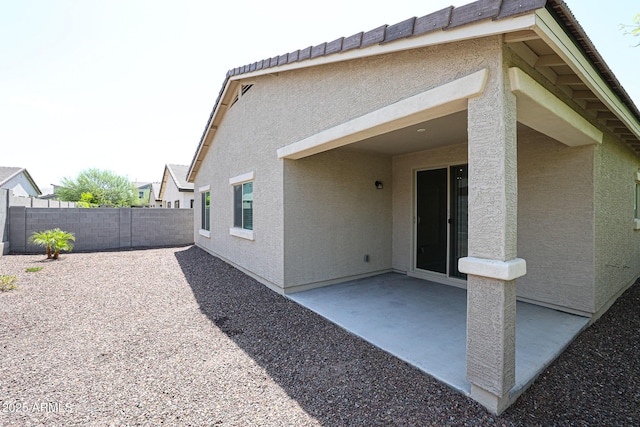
(449, 17)
(561, 12)
(7, 173)
(442, 20)
(179, 174)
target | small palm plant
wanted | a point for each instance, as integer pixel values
(44, 239)
(54, 240)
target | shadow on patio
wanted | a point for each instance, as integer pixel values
(341, 379)
(424, 324)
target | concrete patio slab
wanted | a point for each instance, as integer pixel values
(424, 324)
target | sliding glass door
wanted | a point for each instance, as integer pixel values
(441, 219)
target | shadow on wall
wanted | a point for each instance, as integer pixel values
(339, 379)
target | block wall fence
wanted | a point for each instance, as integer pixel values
(99, 229)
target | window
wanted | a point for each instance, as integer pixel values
(242, 206)
(177, 204)
(168, 205)
(205, 214)
(140, 194)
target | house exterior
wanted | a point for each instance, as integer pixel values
(19, 181)
(143, 193)
(154, 198)
(476, 146)
(175, 191)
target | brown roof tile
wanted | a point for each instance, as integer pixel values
(444, 19)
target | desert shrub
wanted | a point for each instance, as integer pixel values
(7, 283)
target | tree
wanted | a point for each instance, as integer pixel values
(633, 29)
(95, 187)
(54, 240)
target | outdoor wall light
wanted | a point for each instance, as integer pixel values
(379, 185)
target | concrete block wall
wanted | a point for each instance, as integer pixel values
(4, 221)
(161, 227)
(102, 228)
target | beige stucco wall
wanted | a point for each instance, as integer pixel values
(284, 108)
(555, 216)
(244, 143)
(556, 221)
(308, 230)
(617, 250)
(334, 216)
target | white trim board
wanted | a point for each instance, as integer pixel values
(485, 28)
(543, 111)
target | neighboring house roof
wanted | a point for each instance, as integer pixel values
(142, 185)
(623, 123)
(8, 173)
(178, 174)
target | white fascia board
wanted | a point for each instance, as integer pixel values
(551, 32)
(207, 138)
(436, 102)
(465, 32)
(204, 188)
(543, 111)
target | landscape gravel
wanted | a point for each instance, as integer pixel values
(175, 336)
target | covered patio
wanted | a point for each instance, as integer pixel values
(424, 324)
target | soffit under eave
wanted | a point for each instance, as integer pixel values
(572, 72)
(541, 110)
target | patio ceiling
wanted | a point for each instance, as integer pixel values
(447, 130)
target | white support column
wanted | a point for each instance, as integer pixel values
(491, 265)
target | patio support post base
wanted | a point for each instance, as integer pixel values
(491, 338)
(495, 404)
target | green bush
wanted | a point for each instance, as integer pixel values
(33, 269)
(54, 240)
(7, 283)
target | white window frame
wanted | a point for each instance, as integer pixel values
(203, 232)
(238, 180)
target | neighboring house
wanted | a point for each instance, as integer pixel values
(154, 198)
(19, 182)
(144, 193)
(175, 191)
(472, 146)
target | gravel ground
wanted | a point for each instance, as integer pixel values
(174, 336)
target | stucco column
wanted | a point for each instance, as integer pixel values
(491, 265)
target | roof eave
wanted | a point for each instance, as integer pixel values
(555, 36)
(488, 27)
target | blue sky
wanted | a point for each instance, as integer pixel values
(128, 85)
